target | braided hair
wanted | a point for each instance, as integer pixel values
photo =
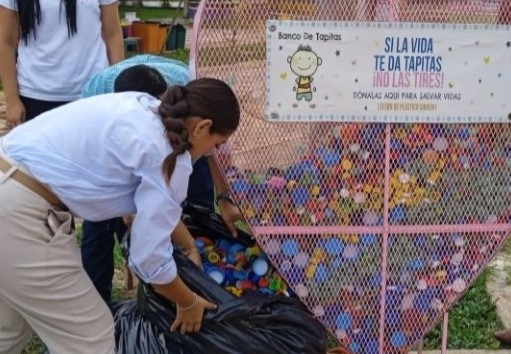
(205, 98)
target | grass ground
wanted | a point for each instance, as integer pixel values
(147, 13)
(472, 321)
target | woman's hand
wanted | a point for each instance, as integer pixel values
(15, 113)
(189, 317)
(189, 306)
(230, 213)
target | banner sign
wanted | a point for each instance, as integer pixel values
(388, 72)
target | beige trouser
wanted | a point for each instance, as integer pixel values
(43, 286)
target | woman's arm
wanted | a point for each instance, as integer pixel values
(229, 212)
(182, 238)
(9, 37)
(158, 215)
(112, 33)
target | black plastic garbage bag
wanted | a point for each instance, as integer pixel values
(200, 219)
(254, 324)
(258, 323)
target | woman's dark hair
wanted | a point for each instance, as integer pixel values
(206, 98)
(29, 13)
(141, 78)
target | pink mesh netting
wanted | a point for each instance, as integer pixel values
(378, 228)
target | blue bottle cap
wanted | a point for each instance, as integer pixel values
(290, 248)
(266, 291)
(329, 213)
(395, 144)
(237, 248)
(279, 219)
(224, 245)
(199, 244)
(240, 274)
(322, 273)
(300, 196)
(334, 246)
(354, 347)
(253, 277)
(397, 214)
(294, 172)
(464, 133)
(240, 186)
(229, 277)
(376, 279)
(417, 264)
(420, 241)
(398, 339)
(260, 266)
(343, 321)
(331, 158)
(368, 239)
(217, 274)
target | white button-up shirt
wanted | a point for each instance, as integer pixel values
(102, 157)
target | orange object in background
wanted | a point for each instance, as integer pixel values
(152, 36)
(349, 133)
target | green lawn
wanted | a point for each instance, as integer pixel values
(148, 13)
(472, 321)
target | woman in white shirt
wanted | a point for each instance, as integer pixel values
(101, 157)
(61, 44)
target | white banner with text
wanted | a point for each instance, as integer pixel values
(388, 72)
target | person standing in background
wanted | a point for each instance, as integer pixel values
(60, 44)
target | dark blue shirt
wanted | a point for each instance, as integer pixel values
(201, 189)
